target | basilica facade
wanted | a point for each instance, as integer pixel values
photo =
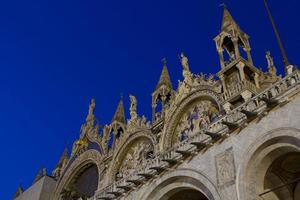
(230, 136)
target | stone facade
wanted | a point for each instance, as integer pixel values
(232, 138)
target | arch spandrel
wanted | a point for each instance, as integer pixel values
(194, 112)
(131, 153)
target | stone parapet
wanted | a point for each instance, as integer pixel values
(256, 107)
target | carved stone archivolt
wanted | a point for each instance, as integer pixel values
(194, 112)
(138, 152)
(85, 159)
(137, 148)
(198, 116)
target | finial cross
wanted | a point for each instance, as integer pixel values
(164, 60)
(223, 5)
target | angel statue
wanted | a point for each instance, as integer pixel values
(133, 107)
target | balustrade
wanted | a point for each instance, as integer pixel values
(237, 115)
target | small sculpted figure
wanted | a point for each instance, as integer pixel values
(133, 107)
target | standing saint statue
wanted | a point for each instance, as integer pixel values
(184, 62)
(271, 67)
(133, 107)
(269, 59)
(186, 69)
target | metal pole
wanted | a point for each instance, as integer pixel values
(283, 52)
(280, 186)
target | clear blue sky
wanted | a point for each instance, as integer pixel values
(55, 55)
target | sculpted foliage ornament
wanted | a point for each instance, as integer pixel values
(138, 124)
(193, 82)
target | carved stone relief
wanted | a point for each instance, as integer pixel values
(195, 118)
(225, 167)
(140, 150)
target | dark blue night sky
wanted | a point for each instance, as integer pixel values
(55, 55)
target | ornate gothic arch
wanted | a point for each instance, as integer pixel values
(78, 165)
(177, 110)
(260, 156)
(131, 141)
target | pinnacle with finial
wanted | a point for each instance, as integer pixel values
(119, 115)
(164, 77)
(227, 19)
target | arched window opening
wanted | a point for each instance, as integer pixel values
(120, 131)
(242, 51)
(83, 185)
(229, 47)
(282, 178)
(190, 194)
(158, 109)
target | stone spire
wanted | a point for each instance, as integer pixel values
(164, 77)
(228, 20)
(18, 192)
(162, 94)
(119, 115)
